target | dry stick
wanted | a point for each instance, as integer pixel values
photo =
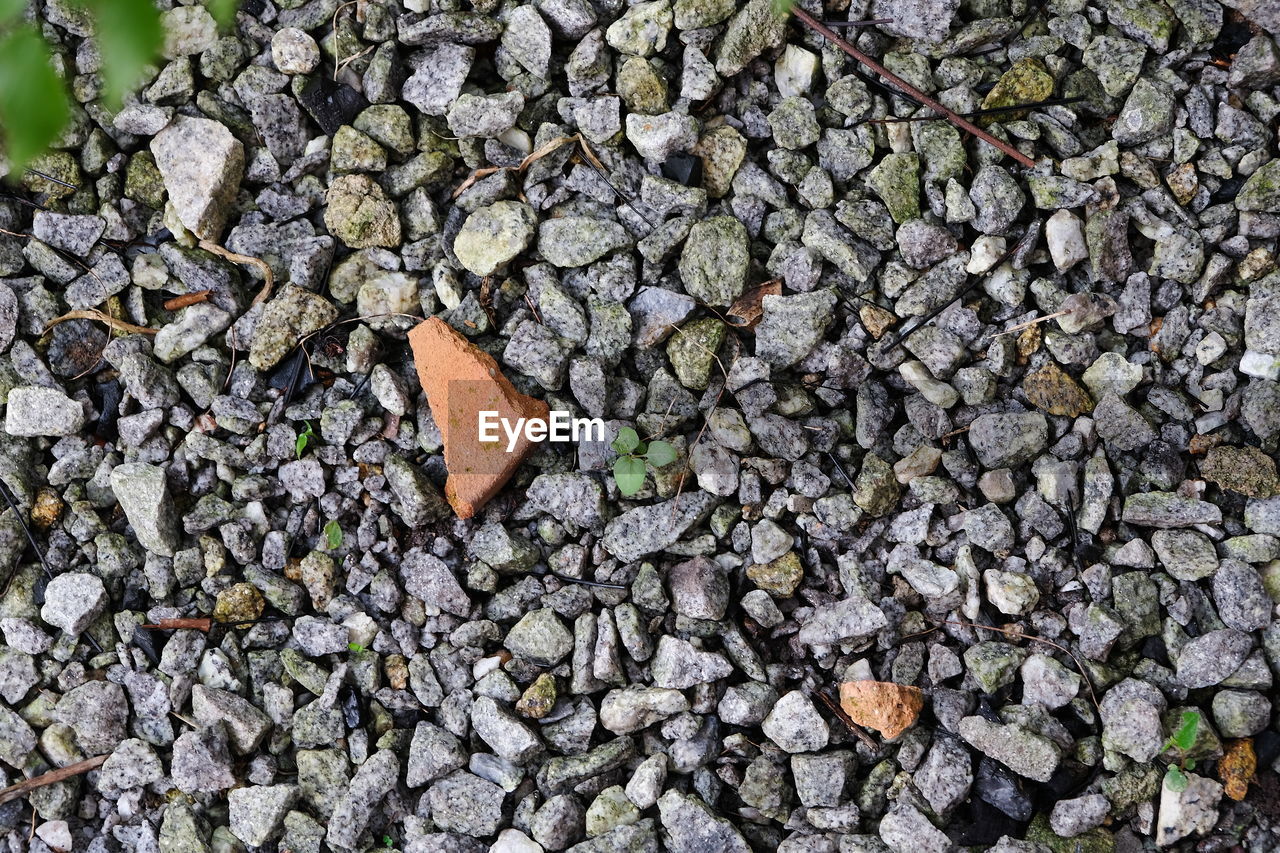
(101, 317)
(186, 299)
(1029, 323)
(1053, 102)
(53, 777)
(269, 279)
(962, 123)
(1009, 632)
(847, 720)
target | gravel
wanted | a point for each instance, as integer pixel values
(1002, 433)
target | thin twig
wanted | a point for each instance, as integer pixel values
(53, 777)
(1010, 632)
(186, 299)
(51, 178)
(268, 278)
(847, 720)
(959, 121)
(871, 23)
(337, 69)
(1053, 102)
(101, 317)
(528, 161)
(1029, 323)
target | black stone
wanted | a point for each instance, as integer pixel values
(106, 398)
(1000, 788)
(986, 825)
(683, 168)
(330, 104)
(1153, 648)
(1266, 746)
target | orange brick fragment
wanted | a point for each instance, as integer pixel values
(461, 380)
(888, 708)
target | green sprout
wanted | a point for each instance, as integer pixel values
(628, 470)
(304, 438)
(1182, 740)
(333, 535)
(355, 647)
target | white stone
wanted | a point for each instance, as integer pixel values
(794, 71)
(1111, 373)
(55, 833)
(795, 725)
(986, 251)
(515, 841)
(918, 376)
(36, 410)
(1210, 348)
(1260, 364)
(294, 52)
(188, 30)
(1192, 811)
(201, 164)
(1064, 232)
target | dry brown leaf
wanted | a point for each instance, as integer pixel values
(1237, 767)
(746, 311)
(888, 708)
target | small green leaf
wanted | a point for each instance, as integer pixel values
(628, 473)
(130, 37)
(1175, 780)
(660, 453)
(1185, 737)
(1190, 764)
(33, 100)
(626, 441)
(781, 8)
(304, 438)
(224, 12)
(355, 647)
(333, 535)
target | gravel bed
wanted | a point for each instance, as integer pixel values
(1004, 434)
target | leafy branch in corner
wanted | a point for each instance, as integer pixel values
(1181, 742)
(628, 470)
(35, 105)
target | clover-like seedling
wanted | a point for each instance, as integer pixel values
(628, 470)
(1182, 740)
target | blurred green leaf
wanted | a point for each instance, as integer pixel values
(11, 10)
(33, 101)
(1175, 779)
(781, 8)
(628, 473)
(130, 37)
(1190, 764)
(1185, 737)
(661, 453)
(627, 440)
(223, 11)
(333, 535)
